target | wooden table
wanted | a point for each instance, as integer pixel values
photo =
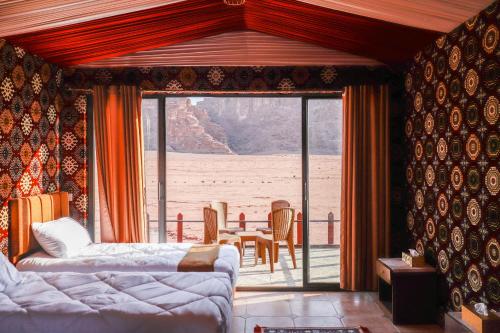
(408, 292)
(248, 236)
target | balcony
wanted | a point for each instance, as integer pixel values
(324, 251)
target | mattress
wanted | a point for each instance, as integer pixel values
(117, 302)
(136, 257)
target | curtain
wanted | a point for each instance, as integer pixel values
(119, 155)
(365, 210)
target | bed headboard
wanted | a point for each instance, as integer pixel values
(24, 211)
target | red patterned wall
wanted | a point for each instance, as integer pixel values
(74, 152)
(30, 105)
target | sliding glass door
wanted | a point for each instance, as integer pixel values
(322, 154)
(248, 151)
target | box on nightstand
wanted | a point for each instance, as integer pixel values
(413, 261)
(480, 323)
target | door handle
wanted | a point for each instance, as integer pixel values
(161, 195)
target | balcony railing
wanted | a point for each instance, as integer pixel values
(243, 223)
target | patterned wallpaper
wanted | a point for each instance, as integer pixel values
(30, 105)
(74, 152)
(453, 168)
(229, 78)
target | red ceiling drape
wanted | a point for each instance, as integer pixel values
(189, 20)
(141, 30)
(380, 40)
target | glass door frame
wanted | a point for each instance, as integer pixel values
(162, 193)
(306, 276)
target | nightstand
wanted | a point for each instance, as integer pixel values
(409, 293)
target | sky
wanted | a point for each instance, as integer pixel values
(195, 100)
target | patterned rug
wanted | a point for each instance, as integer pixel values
(259, 329)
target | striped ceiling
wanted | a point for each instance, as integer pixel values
(240, 48)
(32, 18)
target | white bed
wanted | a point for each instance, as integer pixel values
(138, 257)
(109, 302)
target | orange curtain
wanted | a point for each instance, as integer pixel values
(365, 210)
(119, 155)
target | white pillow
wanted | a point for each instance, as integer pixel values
(61, 238)
(9, 275)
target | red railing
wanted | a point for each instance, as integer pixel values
(243, 224)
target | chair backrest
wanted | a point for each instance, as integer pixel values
(211, 227)
(221, 208)
(282, 225)
(279, 204)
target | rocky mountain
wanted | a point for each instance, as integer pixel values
(189, 129)
(246, 125)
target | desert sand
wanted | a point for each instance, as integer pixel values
(249, 183)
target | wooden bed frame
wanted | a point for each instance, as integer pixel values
(24, 211)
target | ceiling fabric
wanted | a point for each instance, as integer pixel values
(438, 15)
(136, 31)
(189, 20)
(240, 48)
(23, 16)
(380, 40)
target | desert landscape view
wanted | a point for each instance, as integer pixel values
(246, 151)
(249, 183)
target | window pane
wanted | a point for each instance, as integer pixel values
(245, 151)
(150, 133)
(325, 165)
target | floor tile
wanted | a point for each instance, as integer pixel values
(269, 309)
(239, 308)
(318, 322)
(306, 307)
(318, 309)
(268, 321)
(238, 325)
(375, 323)
(358, 307)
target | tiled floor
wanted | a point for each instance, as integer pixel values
(324, 268)
(315, 309)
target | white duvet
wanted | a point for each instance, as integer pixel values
(136, 257)
(117, 303)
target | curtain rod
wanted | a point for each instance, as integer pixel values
(224, 92)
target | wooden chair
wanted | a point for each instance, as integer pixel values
(221, 208)
(282, 230)
(274, 205)
(214, 236)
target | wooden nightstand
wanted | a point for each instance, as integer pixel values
(409, 293)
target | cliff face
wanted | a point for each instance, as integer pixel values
(273, 125)
(189, 129)
(245, 125)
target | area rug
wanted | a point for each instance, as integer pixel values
(359, 329)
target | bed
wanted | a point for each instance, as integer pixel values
(127, 258)
(26, 253)
(108, 302)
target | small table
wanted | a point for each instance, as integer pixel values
(248, 236)
(408, 292)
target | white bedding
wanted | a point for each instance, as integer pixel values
(136, 257)
(117, 302)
